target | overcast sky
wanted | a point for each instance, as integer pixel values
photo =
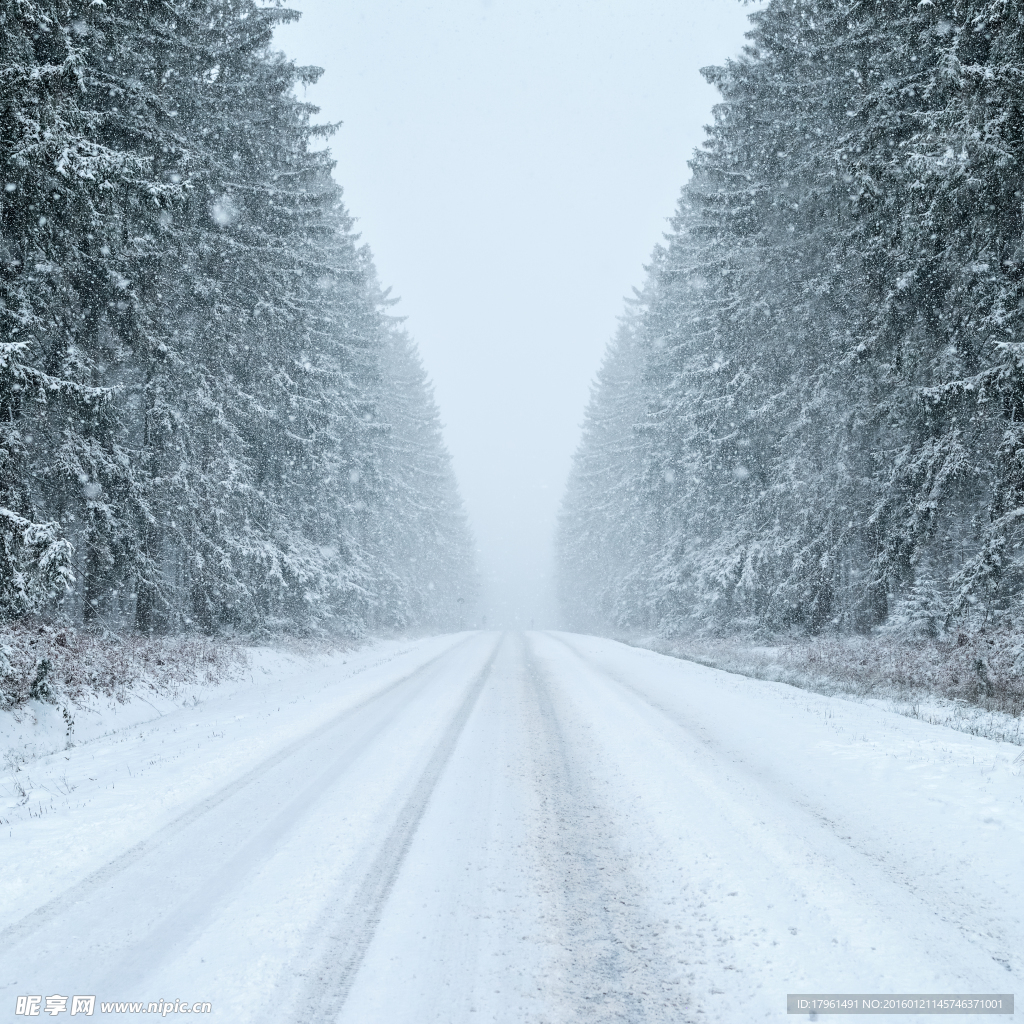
(511, 165)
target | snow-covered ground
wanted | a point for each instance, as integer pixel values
(537, 828)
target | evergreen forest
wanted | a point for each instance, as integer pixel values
(811, 418)
(210, 421)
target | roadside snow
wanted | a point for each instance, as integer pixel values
(38, 728)
(127, 768)
(792, 667)
(518, 830)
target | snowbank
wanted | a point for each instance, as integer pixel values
(973, 686)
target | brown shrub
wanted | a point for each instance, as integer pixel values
(61, 664)
(983, 670)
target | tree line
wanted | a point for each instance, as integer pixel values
(812, 416)
(209, 418)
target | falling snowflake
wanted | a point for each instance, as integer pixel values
(224, 211)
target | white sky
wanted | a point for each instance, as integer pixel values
(511, 165)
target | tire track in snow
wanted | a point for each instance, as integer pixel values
(339, 963)
(189, 917)
(974, 928)
(617, 969)
(26, 926)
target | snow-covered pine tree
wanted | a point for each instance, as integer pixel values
(258, 352)
(60, 275)
(952, 498)
(601, 525)
(422, 530)
(263, 236)
(754, 384)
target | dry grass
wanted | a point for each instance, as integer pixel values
(61, 665)
(970, 674)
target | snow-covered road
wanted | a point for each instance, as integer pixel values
(518, 828)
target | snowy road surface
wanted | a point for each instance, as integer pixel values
(518, 828)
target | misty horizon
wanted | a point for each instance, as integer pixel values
(512, 167)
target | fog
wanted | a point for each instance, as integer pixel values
(511, 165)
